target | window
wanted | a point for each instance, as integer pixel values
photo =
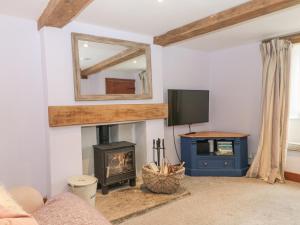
(295, 83)
(294, 126)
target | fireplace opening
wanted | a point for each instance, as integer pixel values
(113, 162)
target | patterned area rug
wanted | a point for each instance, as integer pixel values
(122, 204)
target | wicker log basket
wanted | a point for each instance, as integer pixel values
(165, 183)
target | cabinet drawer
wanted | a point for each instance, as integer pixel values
(216, 163)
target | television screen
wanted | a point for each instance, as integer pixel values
(188, 106)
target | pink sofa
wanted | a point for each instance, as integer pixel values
(68, 209)
(25, 204)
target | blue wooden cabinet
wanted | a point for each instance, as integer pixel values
(210, 164)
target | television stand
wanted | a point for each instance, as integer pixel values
(211, 164)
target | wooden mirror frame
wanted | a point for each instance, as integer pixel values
(77, 71)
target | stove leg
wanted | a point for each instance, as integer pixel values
(132, 182)
(104, 190)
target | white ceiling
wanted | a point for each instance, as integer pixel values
(149, 16)
(153, 18)
(29, 9)
(140, 16)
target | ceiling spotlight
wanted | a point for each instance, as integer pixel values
(86, 45)
(160, 1)
(134, 61)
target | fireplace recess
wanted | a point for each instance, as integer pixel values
(114, 163)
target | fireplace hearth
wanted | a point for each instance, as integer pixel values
(114, 163)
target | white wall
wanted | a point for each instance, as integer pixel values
(88, 139)
(23, 154)
(140, 147)
(65, 156)
(65, 143)
(183, 69)
(236, 91)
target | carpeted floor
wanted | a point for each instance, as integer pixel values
(228, 201)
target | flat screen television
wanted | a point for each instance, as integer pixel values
(188, 107)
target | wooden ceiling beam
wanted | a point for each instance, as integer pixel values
(229, 17)
(58, 13)
(112, 61)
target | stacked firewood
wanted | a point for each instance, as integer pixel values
(161, 165)
(165, 168)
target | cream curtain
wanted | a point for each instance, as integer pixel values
(269, 161)
(143, 78)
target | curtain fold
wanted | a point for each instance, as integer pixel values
(143, 78)
(269, 161)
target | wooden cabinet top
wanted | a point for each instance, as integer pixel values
(214, 134)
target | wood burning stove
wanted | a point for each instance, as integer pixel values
(114, 163)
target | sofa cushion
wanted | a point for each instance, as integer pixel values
(7, 202)
(11, 213)
(68, 209)
(27, 197)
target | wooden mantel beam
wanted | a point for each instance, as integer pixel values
(104, 114)
(58, 13)
(112, 61)
(229, 17)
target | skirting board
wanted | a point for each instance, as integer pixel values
(292, 176)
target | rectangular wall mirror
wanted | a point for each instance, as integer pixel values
(110, 69)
